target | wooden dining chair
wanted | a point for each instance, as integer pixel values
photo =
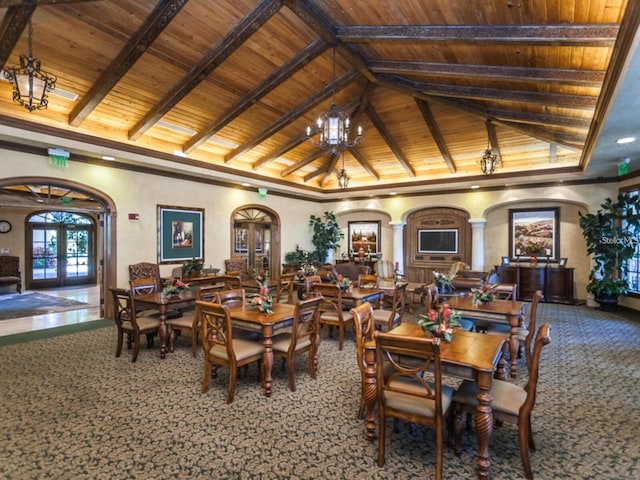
(364, 326)
(221, 348)
(189, 321)
(129, 323)
(511, 403)
(390, 316)
(304, 337)
(406, 394)
(331, 311)
(286, 284)
(310, 282)
(232, 280)
(432, 296)
(370, 280)
(231, 298)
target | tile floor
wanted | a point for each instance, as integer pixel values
(89, 295)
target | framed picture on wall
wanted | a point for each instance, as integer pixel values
(366, 235)
(535, 232)
(180, 234)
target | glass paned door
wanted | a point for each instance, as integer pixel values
(44, 254)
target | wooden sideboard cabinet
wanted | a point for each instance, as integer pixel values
(556, 283)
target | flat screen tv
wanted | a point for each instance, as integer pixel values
(443, 240)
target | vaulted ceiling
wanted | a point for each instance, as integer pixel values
(226, 88)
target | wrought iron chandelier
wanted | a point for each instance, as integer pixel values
(343, 178)
(488, 161)
(333, 127)
(30, 84)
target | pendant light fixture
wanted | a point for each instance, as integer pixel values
(30, 84)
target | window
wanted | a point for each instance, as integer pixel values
(632, 270)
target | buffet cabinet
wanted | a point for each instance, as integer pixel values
(556, 283)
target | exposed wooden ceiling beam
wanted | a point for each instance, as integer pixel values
(305, 161)
(572, 141)
(391, 143)
(493, 141)
(240, 33)
(303, 57)
(430, 120)
(504, 73)
(556, 35)
(144, 36)
(294, 113)
(459, 91)
(539, 118)
(34, 3)
(364, 163)
(331, 166)
(281, 150)
(13, 23)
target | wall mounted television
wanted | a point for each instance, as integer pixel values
(443, 240)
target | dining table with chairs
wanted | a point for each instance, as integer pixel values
(470, 356)
(508, 312)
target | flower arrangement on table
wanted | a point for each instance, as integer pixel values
(484, 293)
(444, 280)
(263, 300)
(440, 323)
(173, 286)
(343, 282)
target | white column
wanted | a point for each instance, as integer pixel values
(477, 243)
(398, 253)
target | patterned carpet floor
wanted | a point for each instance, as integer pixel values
(71, 410)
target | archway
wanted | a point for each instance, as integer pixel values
(255, 235)
(38, 193)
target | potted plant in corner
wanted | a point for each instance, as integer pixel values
(326, 235)
(611, 235)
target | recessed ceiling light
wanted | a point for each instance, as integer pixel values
(473, 187)
(245, 184)
(623, 140)
(107, 157)
(393, 193)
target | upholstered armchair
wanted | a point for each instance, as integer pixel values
(146, 270)
(237, 266)
(10, 271)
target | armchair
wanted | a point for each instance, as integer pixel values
(146, 270)
(237, 266)
(10, 272)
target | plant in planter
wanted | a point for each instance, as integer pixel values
(192, 268)
(612, 236)
(326, 235)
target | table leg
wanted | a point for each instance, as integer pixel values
(513, 346)
(163, 331)
(484, 425)
(369, 390)
(267, 359)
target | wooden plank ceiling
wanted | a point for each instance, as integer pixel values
(233, 84)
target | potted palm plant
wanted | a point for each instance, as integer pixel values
(326, 235)
(611, 234)
(192, 268)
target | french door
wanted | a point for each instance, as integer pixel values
(61, 250)
(255, 231)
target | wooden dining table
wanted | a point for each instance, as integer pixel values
(361, 295)
(470, 356)
(247, 317)
(163, 303)
(508, 312)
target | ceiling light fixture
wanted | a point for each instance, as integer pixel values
(624, 140)
(333, 127)
(30, 84)
(488, 161)
(343, 178)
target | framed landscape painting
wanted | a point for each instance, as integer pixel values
(180, 234)
(534, 232)
(365, 235)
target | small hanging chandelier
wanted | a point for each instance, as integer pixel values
(488, 161)
(30, 84)
(333, 127)
(343, 178)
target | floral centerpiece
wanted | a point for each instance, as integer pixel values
(263, 300)
(440, 323)
(173, 286)
(484, 293)
(343, 282)
(443, 280)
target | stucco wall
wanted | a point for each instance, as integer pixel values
(140, 193)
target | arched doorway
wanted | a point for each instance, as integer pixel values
(37, 193)
(60, 249)
(255, 235)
